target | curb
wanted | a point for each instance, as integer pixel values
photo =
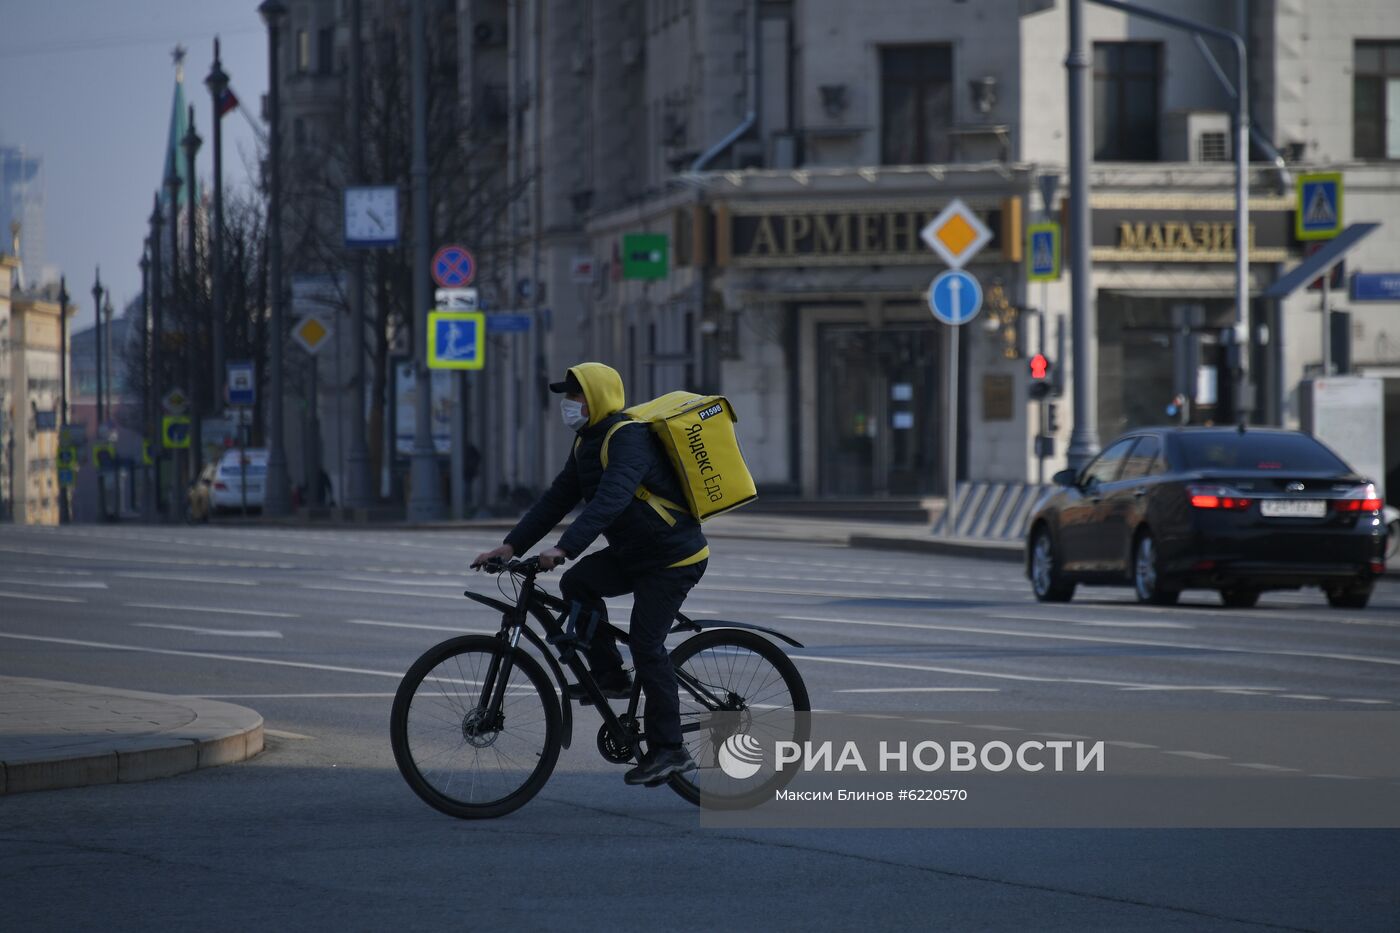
(218, 734)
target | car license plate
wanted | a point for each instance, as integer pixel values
(1292, 508)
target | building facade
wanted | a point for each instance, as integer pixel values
(727, 196)
(30, 392)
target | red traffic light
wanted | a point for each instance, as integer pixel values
(1040, 366)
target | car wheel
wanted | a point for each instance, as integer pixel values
(1392, 538)
(1046, 581)
(1349, 597)
(1239, 597)
(1151, 587)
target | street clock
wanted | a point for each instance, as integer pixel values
(372, 216)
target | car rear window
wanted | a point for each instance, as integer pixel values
(233, 469)
(1290, 452)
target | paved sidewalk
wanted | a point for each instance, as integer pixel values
(55, 734)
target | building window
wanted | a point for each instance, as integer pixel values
(303, 51)
(916, 104)
(1376, 100)
(1126, 76)
(325, 50)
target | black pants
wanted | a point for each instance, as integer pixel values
(656, 597)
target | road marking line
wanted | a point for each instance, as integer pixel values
(1261, 767)
(1243, 690)
(359, 589)
(1132, 745)
(288, 696)
(1199, 756)
(207, 655)
(932, 669)
(60, 584)
(1302, 696)
(44, 599)
(231, 612)
(392, 582)
(135, 559)
(180, 578)
(921, 690)
(429, 628)
(63, 573)
(237, 633)
(1107, 624)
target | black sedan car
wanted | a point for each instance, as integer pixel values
(1239, 510)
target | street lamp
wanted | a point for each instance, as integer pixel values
(190, 143)
(148, 445)
(217, 82)
(107, 352)
(97, 292)
(276, 496)
(63, 509)
(157, 376)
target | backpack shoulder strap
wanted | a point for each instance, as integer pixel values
(660, 504)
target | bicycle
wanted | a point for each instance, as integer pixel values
(477, 724)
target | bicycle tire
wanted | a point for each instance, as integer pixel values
(788, 720)
(444, 732)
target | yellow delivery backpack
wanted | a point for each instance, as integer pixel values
(697, 432)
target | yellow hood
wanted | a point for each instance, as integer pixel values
(602, 390)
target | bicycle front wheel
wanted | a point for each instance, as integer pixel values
(475, 727)
(739, 694)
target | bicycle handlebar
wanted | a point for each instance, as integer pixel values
(528, 567)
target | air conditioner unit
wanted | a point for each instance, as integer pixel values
(1197, 136)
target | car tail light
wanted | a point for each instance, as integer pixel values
(1378, 566)
(1360, 499)
(221, 487)
(1216, 497)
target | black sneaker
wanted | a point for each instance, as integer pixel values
(616, 685)
(658, 765)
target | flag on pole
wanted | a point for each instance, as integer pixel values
(227, 101)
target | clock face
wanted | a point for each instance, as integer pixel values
(371, 216)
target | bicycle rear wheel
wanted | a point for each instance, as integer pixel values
(455, 752)
(739, 694)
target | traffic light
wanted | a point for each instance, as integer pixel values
(1041, 369)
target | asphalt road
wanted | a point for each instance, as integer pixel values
(313, 629)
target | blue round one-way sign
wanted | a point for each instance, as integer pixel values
(955, 297)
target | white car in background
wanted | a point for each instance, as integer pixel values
(226, 490)
(1392, 530)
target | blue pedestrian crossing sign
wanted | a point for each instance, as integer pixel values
(955, 297)
(1319, 210)
(1043, 252)
(456, 339)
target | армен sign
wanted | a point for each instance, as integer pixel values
(1183, 232)
(830, 234)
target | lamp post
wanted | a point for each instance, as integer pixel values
(97, 291)
(276, 497)
(107, 352)
(1084, 438)
(190, 143)
(63, 509)
(357, 482)
(425, 502)
(217, 82)
(172, 189)
(157, 375)
(148, 444)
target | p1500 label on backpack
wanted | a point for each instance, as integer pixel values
(712, 410)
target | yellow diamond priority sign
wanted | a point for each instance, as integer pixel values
(311, 332)
(956, 235)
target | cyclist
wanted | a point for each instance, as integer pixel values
(654, 553)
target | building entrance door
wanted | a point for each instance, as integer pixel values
(880, 409)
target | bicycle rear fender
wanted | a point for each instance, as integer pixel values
(696, 625)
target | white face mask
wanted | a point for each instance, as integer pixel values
(572, 413)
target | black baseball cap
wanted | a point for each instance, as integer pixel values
(569, 385)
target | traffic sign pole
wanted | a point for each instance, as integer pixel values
(950, 511)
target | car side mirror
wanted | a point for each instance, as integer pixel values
(1065, 478)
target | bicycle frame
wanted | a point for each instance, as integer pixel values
(534, 601)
